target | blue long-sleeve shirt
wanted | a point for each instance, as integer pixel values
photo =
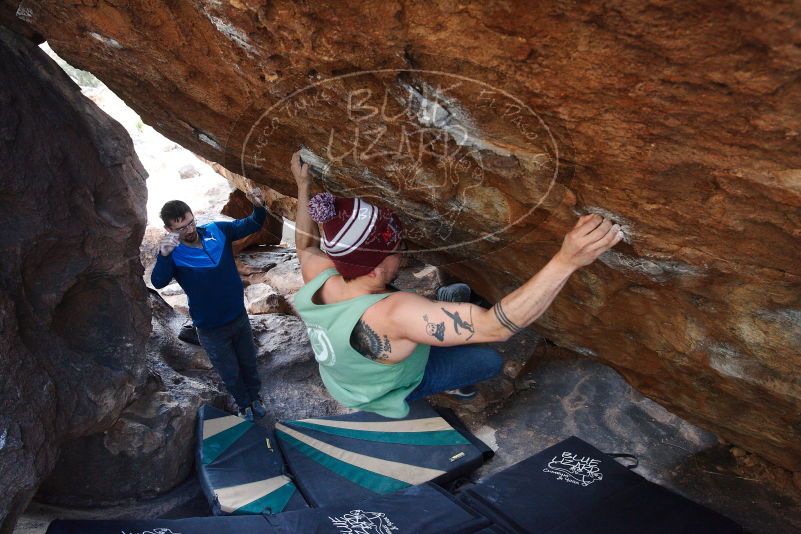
(208, 274)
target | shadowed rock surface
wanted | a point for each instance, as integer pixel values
(491, 126)
(150, 448)
(590, 400)
(74, 318)
(291, 383)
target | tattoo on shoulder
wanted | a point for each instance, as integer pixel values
(459, 324)
(504, 320)
(436, 330)
(369, 343)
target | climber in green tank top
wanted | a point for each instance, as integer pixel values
(377, 348)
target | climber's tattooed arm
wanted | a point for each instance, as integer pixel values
(436, 330)
(504, 320)
(459, 322)
(370, 344)
(460, 327)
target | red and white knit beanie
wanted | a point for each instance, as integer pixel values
(357, 236)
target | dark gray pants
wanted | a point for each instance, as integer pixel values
(233, 353)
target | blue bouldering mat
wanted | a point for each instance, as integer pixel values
(359, 455)
(240, 467)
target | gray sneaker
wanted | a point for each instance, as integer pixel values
(258, 408)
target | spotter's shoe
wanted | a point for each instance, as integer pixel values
(246, 414)
(258, 409)
(188, 333)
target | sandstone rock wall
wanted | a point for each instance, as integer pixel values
(150, 448)
(238, 206)
(492, 125)
(73, 311)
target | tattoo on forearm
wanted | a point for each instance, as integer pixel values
(504, 320)
(459, 322)
(436, 330)
(370, 344)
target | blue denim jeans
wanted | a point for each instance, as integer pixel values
(457, 367)
(460, 366)
(233, 353)
(458, 292)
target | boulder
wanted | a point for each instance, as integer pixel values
(291, 383)
(183, 357)
(179, 302)
(74, 318)
(260, 261)
(149, 449)
(171, 290)
(285, 277)
(422, 278)
(277, 204)
(149, 249)
(490, 127)
(188, 171)
(239, 206)
(262, 298)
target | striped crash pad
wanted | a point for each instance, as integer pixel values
(240, 468)
(359, 455)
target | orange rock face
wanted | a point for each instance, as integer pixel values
(239, 206)
(490, 126)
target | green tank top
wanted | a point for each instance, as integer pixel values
(352, 379)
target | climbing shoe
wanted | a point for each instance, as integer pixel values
(246, 414)
(454, 293)
(465, 393)
(188, 333)
(258, 409)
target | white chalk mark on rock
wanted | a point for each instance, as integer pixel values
(25, 13)
(318, 164)
(585, 351)
(626, 226)
(655, 269)
(231, 32)
(106, 40)
(445, 113)
(209, 140)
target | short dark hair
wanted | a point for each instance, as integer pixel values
(174, 210)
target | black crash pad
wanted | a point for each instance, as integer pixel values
(573, 487)
(194, 525)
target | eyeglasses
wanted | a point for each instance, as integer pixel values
(190, 224)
